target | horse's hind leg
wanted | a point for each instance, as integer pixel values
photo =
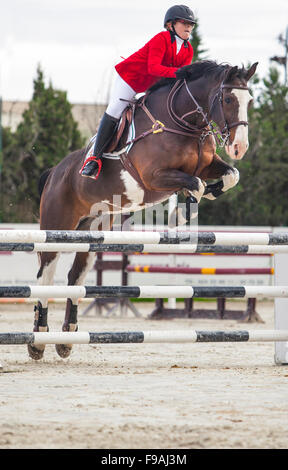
(83, 262)
(48, 262)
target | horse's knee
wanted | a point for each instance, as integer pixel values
(197, 188)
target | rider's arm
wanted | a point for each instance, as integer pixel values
(157, 50)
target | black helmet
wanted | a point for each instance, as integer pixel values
(179, 12)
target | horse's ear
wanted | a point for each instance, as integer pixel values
(251, 71)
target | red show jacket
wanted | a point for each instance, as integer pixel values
(157, 59)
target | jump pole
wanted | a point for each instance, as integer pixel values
(168, 336)
(77, 292)
(170, 237)
(141, 248)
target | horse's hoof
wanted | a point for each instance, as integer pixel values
(63, 350)
(35, 353)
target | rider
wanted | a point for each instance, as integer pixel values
(161, 57)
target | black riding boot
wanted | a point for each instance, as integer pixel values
(106, 130)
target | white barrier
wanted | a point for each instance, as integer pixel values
(170, 237)
(162, 336)
(141, 248)
(77, 292)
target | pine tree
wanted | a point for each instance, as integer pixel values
(45, 136)
(196, 42)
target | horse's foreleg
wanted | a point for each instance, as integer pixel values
(177, 180)
(229, 178)
(82, 264)
(45, 276)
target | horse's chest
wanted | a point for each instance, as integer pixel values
(134, 197)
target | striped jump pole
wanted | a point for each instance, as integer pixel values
(169, 336)
(142, 248)
(77, 292)
(187, 270)
(171, 237)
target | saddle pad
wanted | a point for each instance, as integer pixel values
(115, 154)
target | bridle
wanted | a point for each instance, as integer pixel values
(223, 126)
(222, 130)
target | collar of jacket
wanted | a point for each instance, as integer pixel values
(173, 34)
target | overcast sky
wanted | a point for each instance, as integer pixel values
(78, 42)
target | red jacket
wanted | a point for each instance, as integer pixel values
(155, 60)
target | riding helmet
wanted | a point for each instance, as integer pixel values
(179, 12)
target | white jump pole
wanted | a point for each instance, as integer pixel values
(154, 336)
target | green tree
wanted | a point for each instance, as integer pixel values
(45, 136)
(197, 44)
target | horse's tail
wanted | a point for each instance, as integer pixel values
(42, 180)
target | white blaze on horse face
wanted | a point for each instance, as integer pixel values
(240, 144)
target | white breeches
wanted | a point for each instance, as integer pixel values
(120, 90)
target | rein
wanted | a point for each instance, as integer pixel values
(221, 132)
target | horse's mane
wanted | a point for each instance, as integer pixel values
(197, 70)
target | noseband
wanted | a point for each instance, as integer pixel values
(222, 131)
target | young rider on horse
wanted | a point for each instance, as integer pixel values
(161, 57)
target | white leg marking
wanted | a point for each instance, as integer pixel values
(82, 275)
(80, 281)
(199, 193)
(47, 277)
(230, 179)
(210, 197)
(89, 263)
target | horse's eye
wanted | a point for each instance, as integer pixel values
(227, 100)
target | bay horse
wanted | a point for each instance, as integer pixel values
(174, 150)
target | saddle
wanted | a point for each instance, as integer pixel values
(120, 138)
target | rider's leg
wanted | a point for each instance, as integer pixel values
(105, 132)
(108, 126)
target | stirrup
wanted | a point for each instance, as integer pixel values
(92, 159)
